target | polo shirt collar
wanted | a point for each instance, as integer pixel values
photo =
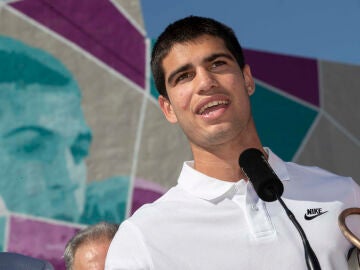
(209, 188)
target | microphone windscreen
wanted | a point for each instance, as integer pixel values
(266, 183)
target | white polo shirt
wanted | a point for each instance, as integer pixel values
(206, 223)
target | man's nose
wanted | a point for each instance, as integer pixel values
(206, 81)
(57, 172)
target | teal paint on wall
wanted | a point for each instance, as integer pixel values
(29, 71)
(43, 134)
(106, 200)
(44, 140)
(282, 123)
(28, 65)
(153, 90)
(2, 233)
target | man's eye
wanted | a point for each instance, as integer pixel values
(217, 64)
(183, 76)
(32, 143)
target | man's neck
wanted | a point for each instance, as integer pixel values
(222, 162)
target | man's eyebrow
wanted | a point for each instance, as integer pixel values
(177, 71)
(217, 55)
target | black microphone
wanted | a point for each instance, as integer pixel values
(266, 183)
(269, 188)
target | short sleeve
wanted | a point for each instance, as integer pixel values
(128, 250)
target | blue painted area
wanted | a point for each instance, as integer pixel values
(106, 200)
(44, 141)
(2, 233)
(43, 134)
(153, 90)
(29, 71)
(282, 123)
(25, 65)
(324, 29)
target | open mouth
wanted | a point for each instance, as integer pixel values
(213, 106)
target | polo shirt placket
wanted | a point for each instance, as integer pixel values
(257, 216)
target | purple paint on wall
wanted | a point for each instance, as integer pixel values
(294, 75)
(145, 192)
(98, 27)
(143, 196)
(39, 239)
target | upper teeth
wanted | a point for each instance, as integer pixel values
(211, 104)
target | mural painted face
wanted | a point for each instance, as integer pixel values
(208, 92)
(43, 142)
(43, 162)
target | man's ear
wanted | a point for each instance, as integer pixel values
(167, 109)
(249, 80)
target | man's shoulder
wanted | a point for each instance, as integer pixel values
(317, 177)
(299, 169)
(165, 209)
(317, 184)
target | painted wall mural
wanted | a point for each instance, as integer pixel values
(77, 122)
(82, 138)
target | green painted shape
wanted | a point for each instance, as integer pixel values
(31, 70)
(153, 91)
(282, 123)
(106, 200)
(2, 233)
(44, 138)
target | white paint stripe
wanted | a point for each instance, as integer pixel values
(287, 95)
(307, 137)
(342, 129)
(139, 132)
(154, 101)
(325, 114)
(8, 2)
(128, 17)
(337, 125)
(136, 153)
(75, 47)
(332, 120)
(147, 66)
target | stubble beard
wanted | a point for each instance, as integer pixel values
(215, 139)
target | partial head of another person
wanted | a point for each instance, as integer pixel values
(88, 248)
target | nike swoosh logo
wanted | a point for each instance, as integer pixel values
(312, 217)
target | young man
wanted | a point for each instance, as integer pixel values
(88, 248)
(213, 218)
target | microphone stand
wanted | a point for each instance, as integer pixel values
(310, 257)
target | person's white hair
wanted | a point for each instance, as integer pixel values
(99, 231)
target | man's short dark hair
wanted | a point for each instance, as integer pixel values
(93, 233)
(185, 30)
